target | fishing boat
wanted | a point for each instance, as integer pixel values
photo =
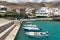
(38, 34)
(29, 22)
(31, 28)
(30, 25)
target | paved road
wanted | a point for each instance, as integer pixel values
(3, 21)
(4, 27)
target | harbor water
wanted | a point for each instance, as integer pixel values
(53, 27)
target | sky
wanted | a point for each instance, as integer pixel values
(35, 1)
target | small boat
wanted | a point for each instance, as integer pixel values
(29, 22)
(30, 25)
(38, 34)
(31, 28)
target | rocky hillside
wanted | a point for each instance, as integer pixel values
(35, 5)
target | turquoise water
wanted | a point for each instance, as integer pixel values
(53, 27)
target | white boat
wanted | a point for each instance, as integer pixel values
(31, 28)
(30, 25)
(29, 22)
(38, 34)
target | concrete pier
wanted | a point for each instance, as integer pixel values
(13, 33)
(5, 33)
(6, 26)
(9, 29)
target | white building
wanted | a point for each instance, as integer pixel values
(44, 12)
(3, 9)
(29, 10)
(56, 11)
(9, 9)
(56, 15)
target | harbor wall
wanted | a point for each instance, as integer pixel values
(37, 19)
(19, 23)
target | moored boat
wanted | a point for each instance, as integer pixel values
(29, 22)
(30, 25)
(31, 28)
(38, 34)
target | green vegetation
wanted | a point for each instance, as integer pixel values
(2, 12)
(16, 15)
(13, 15)
(22, 14)
(33, 12)
(8, 15)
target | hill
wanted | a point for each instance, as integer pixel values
(29, 4)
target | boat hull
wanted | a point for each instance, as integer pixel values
(31, 30)
(37, 34)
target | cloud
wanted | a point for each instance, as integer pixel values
(14, 1)
(36, 1)
(48, 0)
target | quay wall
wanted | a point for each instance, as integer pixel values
(37, 19)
